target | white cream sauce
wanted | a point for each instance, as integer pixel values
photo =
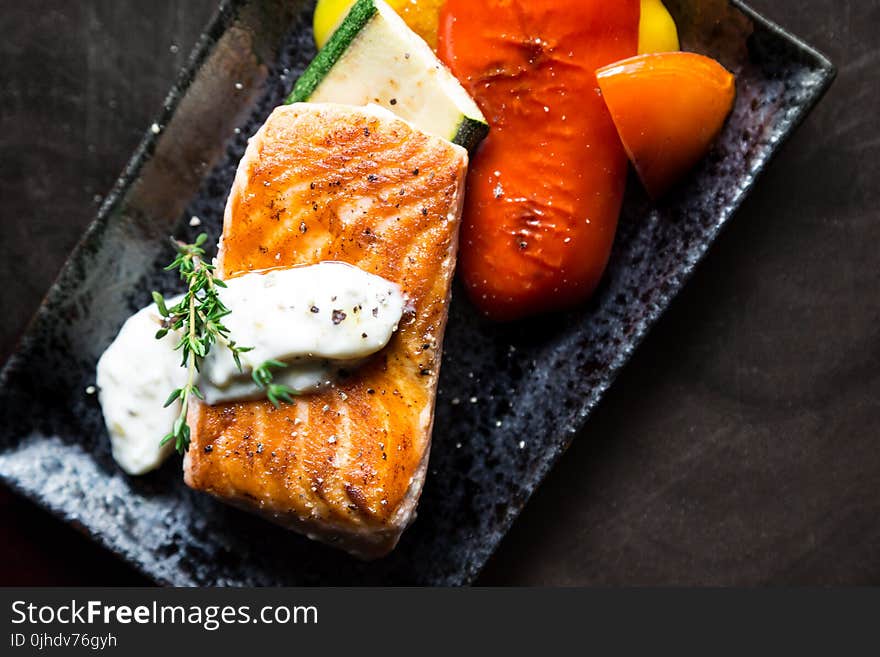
(135, 376)
(318, 320)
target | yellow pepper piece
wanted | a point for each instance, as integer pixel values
(421, 15)
(328, 15)
(657, 31)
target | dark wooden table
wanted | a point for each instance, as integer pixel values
(740, 446)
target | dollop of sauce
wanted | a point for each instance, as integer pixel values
(317, 320)
(135, 376)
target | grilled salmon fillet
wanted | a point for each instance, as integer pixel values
(325, 182)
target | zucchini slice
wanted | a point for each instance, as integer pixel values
(373, 57)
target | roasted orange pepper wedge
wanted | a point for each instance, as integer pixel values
(544, 190)
(668, 109)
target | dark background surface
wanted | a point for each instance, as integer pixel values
(741, 445)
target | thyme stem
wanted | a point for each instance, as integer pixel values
(198, 317)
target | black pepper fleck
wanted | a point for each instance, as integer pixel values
(209, 449)
(393, 101)
(315, 309)
(338, 316)
(366, 132)
(302, 227)
(415, 172)
(372, 177)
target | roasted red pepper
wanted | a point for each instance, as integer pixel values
(544, 191)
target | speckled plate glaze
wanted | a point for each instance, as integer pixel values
(512, 397)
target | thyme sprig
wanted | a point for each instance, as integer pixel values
(198, 317)
(275, 392)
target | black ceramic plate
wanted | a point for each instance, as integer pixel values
(512, 397)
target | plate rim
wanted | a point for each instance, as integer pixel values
(216, 26)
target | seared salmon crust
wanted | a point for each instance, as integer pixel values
(323, 182)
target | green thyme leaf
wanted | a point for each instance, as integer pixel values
(159, 300)
(275, 392)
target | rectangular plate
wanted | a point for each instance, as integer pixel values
(512, 397)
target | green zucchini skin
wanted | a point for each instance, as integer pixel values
(359, 15)
(470, 134)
